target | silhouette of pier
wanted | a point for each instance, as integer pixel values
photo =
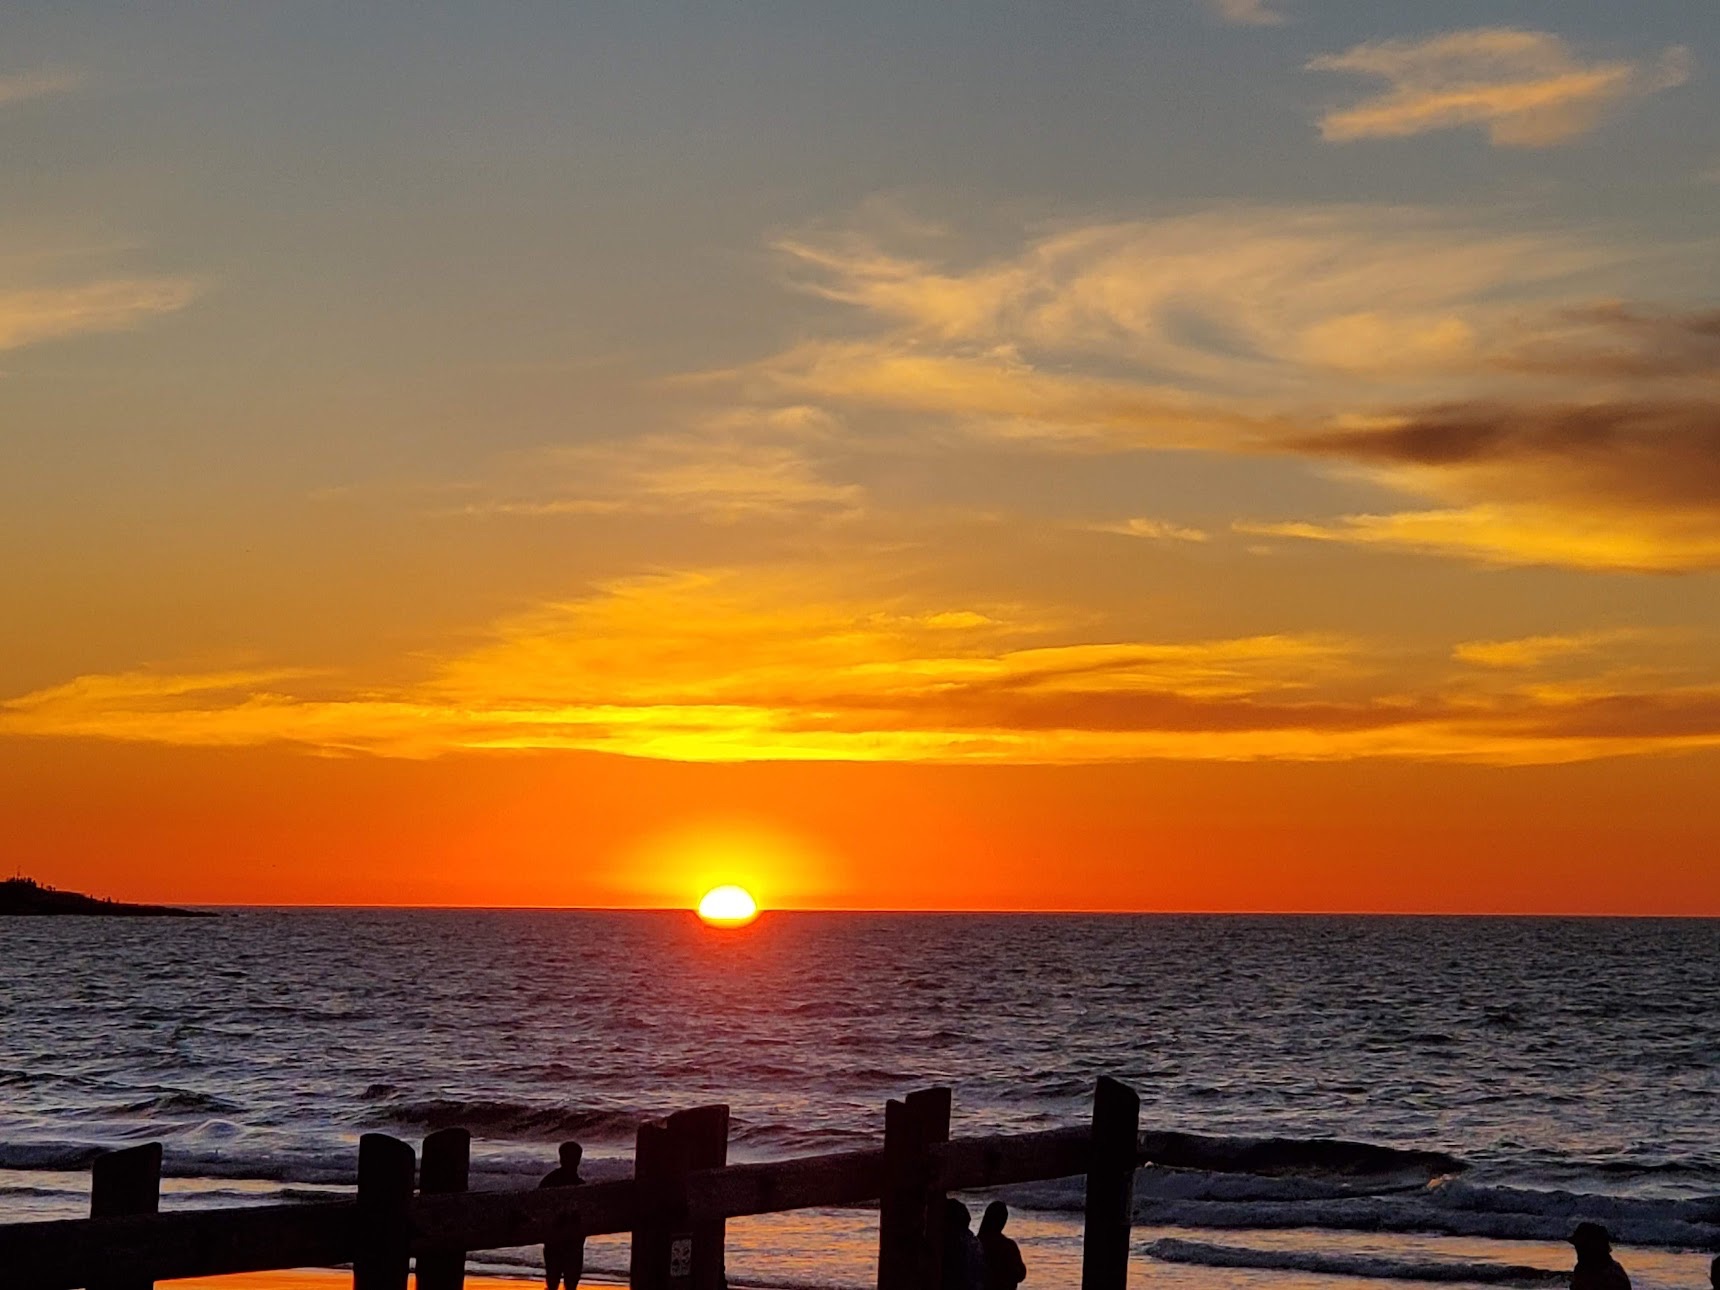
(675, 1206)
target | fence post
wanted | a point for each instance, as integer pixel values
(385, 1169)
(660, 1170)
(1110, 1186)
(445, 1166)
(931, 1108)
(123, 1183)
(705, 1132)
(910, 1215)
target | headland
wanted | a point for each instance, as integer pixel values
(26, 896)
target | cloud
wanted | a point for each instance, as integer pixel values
(1188, 329)
(1525, 414)
(1623, 487)
(1153, 530)
(1525, 534)
(1614, 340)
(1534, 651)
(745, 464)
(1655, 456)
(1001, 396)
(769, 664)
(21, 87)
(1525, 88)
(29, 315)
(1248, 13)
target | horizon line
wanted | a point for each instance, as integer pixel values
(1070, 911)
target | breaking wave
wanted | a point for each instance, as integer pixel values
(1445, 1207)
(1353, 1265)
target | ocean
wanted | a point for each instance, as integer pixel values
(1515, 1074)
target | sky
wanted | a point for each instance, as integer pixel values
(1246, 455)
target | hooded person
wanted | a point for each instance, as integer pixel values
(1004, 1269)
(1596, 1268)
(964, 1266)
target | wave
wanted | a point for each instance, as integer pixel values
(1279, 1157)
(180, 1101)
(233, 1165)
(1217, 1183)
(1378, 1266)
(1447, 1207)
(513, 1119)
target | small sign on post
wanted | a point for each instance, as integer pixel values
(681, 1258)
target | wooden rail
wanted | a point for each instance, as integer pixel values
(675, 1207)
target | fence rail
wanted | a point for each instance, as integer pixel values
(675, 1211)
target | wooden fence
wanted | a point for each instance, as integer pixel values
(675, 1206)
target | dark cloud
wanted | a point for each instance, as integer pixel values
(1634, 454)
(1622, 342)
(1674, 715)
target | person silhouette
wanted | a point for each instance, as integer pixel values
(964, 1265)
(1596, 1268)
(564, 1260)
(1004, 1269)
(1714, 1273)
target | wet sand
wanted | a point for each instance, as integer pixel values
(811, 1249)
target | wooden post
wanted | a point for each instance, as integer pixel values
(385, 1169)
(1110, 1186)
(660, 1170)
(123, 1183)
(931, 1111)
(705, 1132)
(910, 1214)
(445, 1166)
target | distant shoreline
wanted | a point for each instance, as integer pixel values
(27, 898)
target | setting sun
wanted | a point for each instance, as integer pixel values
(728, 907)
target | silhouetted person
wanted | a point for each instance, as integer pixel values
(1596, 1268)
(564, 1261)
(1714, 1273)
(964, 1265)
(1004, 1269)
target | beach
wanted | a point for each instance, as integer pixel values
(839, 1260)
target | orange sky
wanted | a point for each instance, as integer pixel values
(1188, 455)
(276, 826)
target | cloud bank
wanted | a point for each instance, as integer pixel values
(768, 664)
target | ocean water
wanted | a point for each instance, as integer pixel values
(1520, 1073)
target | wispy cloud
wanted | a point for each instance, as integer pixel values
(1248, 13)
(32, 314)
(43, 82)
(745, 464)
(1231, 316)
(1534, 651)
(1613, 340)
(1141, 526)
(1481, 374)
(1525, 534)
(1525, 88)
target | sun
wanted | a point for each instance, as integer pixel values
(728, 907)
